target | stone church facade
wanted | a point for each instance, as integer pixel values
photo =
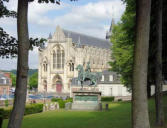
(65, 50)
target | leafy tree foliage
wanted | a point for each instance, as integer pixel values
(33, 80)
(4, 12)
(13, 77)
(123, 44)
(22, 65)
(9, 44)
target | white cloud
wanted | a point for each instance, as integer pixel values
(38, 11)
(91, 18)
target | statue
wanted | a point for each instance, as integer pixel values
(87, 75)
(88, 67)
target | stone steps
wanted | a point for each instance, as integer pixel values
(85, 106)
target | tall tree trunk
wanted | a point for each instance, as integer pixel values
(158, 66)
(22, 66)
(140, 118)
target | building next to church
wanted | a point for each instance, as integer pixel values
(5, 83)
(108, 85)
(65, 50)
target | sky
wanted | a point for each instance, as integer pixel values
(91, 17)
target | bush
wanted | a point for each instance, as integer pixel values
(1, 112)
(1, 116)
(109, 98)
(119, 100)
(7, 112)
(33, 108)
(6, 103)
(61, 102)
(69, 100)
(55, 99)
(30, 109)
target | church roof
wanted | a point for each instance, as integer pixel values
(83, 39)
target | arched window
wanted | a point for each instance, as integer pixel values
(54, 60)
(58, 58)
(45, 66)
(72, 67)
(62, 52)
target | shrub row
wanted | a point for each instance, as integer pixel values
(30, 109)
(61, 102)
(33, 108)
(108, 98)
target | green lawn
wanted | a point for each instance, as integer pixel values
(118, 116)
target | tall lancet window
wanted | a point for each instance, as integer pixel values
(62, 55)
(54, 60)
(58, 58)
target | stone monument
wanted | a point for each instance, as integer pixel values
(83, 99)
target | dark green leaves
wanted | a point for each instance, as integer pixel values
(123, 44)
(4, 12)
(9, 44)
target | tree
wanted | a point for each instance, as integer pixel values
(123, 39)
(120, 55)
(123, 44)
(33, 80)
(22, 63)
(140, 118)
(164, 40)
(13, 77)
(158, 65)
(7, 43)
(22, 66)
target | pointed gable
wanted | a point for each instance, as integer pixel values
(58, 35)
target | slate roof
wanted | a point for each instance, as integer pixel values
(87, 40)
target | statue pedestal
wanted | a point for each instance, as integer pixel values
(86, 100)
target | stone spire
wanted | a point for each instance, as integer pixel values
(112, 25)
(109, 33)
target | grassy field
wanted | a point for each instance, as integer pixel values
(118, 116)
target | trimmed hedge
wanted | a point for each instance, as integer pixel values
(30, 109)
(55, 99)
(6, 113)
(69, 100)
(1, 112)
(109, 98)
(61, 102)
(33, 108)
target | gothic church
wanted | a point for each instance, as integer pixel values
(65, 50)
